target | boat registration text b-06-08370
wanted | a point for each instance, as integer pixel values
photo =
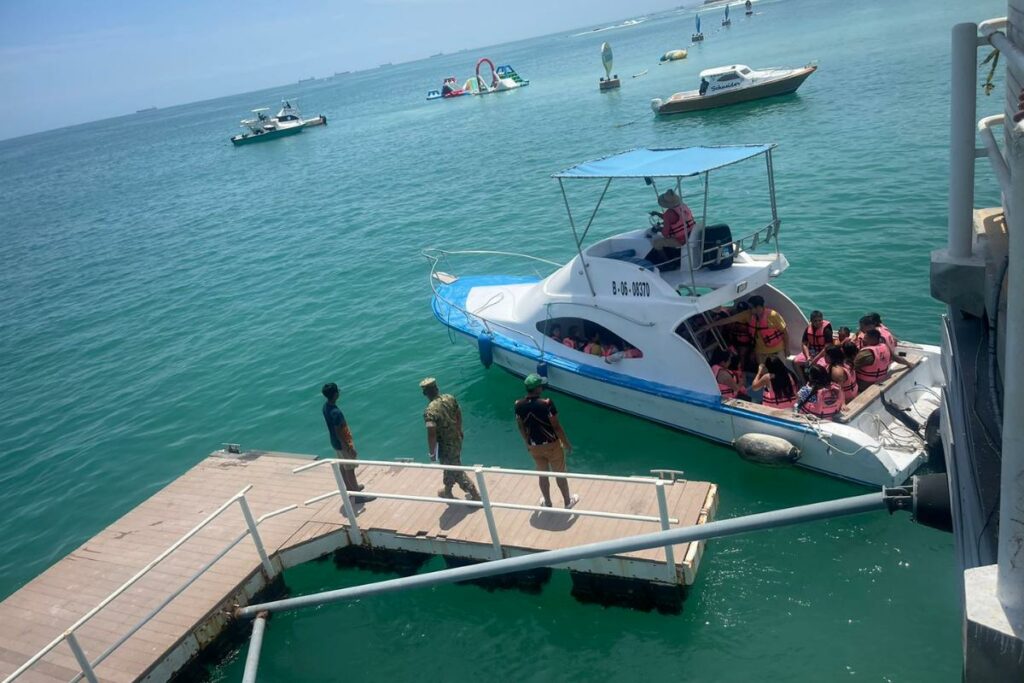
(635, 288)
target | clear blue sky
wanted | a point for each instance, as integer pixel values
(70, 61)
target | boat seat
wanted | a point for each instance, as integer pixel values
(629, 256)
(865, 398)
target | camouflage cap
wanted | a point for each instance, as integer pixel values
(428, 382)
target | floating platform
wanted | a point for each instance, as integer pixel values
(174, 597)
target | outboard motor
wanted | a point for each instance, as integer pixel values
(716, 236)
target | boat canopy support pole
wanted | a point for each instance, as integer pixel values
(701, 532)
(576, 237)
(771, 197)
(594, 214)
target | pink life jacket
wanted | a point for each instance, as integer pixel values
(726, 391)
(888, 338)
(849, 387)
(769, 399)
(816, 338)
(758, 325)
(827, 404)
(678, 223)
(632, 353)
(878, 370)
(568, 341)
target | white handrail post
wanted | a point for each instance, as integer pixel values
(485, 498)
(670, 555)
(354, 535)
(252, 660)
(254, 531)
(80, 657)
(963, 121)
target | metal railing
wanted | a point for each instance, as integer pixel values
(715, 255)
(88, 665)
(486, 503)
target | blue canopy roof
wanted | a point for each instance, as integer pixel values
(661, 163)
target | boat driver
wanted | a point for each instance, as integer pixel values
(676, 225)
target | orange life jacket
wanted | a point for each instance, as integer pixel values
(759, 326)
(816, 338)
(678, 223)
(878, 369)
(827, 404)
(769, 399)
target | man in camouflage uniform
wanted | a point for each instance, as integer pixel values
(443, 419)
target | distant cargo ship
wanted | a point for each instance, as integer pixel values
(143, 111)
(304, 80)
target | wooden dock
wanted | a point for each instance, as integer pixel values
(54, 601)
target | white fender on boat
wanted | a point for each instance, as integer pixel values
(656, 104)
(766, 449)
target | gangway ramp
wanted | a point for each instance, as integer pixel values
(145, 595)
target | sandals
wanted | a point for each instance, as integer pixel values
(575, 498)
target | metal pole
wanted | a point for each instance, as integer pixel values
(594, 214)
(579, 246)
(254, 531)
(963, 115)
(551, 558)
(252, 660)
(481, 485)
(1010, 581)
(354, 535)
(670, 555)
(80, 657)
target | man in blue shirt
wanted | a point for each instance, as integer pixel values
(341, 436)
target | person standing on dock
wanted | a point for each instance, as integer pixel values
(545, 439)
(341, 435)
(443, 418)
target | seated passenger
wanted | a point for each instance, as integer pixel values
(777, 381)
(593, 347)
(887, 336)
(817, 336)
(631, 351)
(609, 349)
(873, 361)
(842, 335)
(841, 371)
(676, 225)
(555, 332)
(866, 323)
(821, 396)
(725, 366)
(574, 340)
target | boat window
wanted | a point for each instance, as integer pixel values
(744, 71)
(728, 77)
(587, 337)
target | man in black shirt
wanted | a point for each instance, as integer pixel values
(545, 439)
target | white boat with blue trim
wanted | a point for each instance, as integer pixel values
(657, 316)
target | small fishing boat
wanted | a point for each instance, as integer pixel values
(697, 36)
(449, 89)
(651, 323)
(727, 21)
(290, 116)
(733, 84)
(673, 56)
(261, 128)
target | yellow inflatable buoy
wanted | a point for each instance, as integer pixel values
(673, 55)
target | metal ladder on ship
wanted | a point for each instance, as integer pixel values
(717, 340)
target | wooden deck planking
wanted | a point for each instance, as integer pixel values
(53, 601)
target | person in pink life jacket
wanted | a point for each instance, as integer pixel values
(677, 223)
(777, 381)
(725, 366)
(820, 397)
(574, 340)
(842, 371)
(817, 336)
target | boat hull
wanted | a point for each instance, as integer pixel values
(832, 448)
(245, 139)
(692, 101)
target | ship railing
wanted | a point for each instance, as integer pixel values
(711, 256)
(486, 503)
(88, 664)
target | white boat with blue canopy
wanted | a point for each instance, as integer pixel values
(656, 312)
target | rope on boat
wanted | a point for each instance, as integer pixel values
(994, 58)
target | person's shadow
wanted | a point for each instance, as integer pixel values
(552, 521)
(454, 514)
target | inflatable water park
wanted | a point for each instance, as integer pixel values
(493, 79)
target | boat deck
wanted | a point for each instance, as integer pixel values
(44, 608)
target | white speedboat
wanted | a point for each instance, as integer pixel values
(261, 128)
(290, 117)
(659, 317)
(725, 85)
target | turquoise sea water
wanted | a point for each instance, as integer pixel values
(162, 292)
